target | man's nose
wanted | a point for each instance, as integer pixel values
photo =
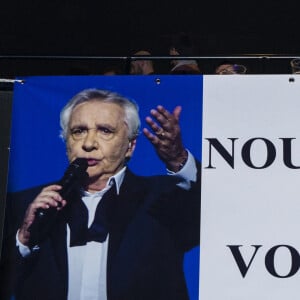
(91, 142)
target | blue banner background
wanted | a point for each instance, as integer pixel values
(38, 154)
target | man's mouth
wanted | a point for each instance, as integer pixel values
(92, 162)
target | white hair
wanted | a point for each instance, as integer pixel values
(130, 108)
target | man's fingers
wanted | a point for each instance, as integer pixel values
(151, 137)
(164, 112)
(176, 112)
(167, 115)
(53, 187)
(49, 197)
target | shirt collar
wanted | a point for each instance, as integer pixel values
(117, 178)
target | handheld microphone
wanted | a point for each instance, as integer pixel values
(74, 175)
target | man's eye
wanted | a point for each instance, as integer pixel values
(78, 131)
(105, 130)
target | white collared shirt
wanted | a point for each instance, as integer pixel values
(87, 264)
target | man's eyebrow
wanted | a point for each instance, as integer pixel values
(82, 125)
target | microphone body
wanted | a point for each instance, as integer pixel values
(74, 175)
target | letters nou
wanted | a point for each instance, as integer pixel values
(247, 155)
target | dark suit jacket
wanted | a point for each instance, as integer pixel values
(154, 223)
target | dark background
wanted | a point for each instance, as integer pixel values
(61, 29)
(118, 28)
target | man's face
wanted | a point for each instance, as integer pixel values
(225, 69)
(97, 131)
(135, 68)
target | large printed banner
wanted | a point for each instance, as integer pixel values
(250, 153)
(250, 233)
(38, 154)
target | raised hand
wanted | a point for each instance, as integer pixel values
(166, 137)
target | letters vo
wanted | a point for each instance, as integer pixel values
(269, 262)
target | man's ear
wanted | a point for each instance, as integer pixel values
(131, 147)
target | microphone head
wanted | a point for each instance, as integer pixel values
(74, 176)
(79, 164)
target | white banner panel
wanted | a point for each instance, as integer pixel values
(250, 226)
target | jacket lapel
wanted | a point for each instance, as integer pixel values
(130, 197)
